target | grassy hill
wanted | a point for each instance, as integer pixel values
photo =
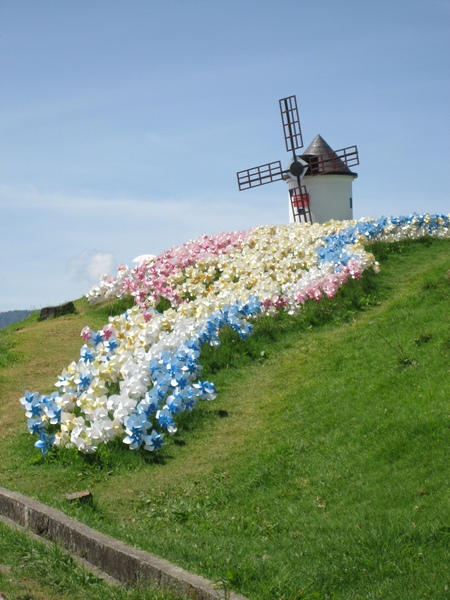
(321, 469)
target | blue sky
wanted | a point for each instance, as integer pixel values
(123, 123)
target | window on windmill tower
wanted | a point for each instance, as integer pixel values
(314, 165)
(351, 202)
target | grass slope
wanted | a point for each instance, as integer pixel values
(32, 570)
(321, 470)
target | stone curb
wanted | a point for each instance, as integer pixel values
(116, 559)
(81, 561)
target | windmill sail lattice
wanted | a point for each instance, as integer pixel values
(291, 123)
(301, 211)
(260, 175)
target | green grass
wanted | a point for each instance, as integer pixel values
(31, 570)
(320, 471)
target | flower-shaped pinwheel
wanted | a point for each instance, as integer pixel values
(136, 375)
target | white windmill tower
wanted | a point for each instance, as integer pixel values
(319, 180)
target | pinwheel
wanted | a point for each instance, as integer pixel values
(137, 374)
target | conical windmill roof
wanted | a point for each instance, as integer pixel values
(319, 146)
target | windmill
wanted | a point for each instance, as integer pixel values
(311, 201)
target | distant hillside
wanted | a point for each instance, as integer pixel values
(12, 316)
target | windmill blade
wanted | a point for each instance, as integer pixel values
(291, 123)
(337, 160)
(301, 211)
(259, 175)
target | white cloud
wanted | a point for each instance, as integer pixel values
(90, 265)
